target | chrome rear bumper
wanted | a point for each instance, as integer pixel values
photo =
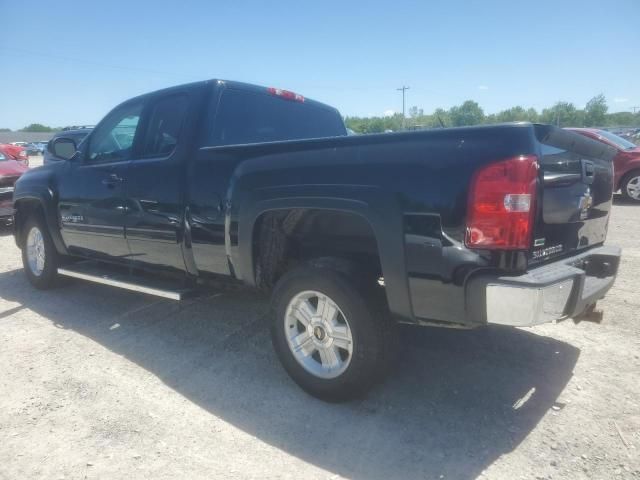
(560, 290)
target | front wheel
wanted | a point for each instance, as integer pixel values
(39, 256)
(631, 186)
(330, 333)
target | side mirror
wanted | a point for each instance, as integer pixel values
(64, 148)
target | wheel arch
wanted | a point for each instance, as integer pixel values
(28, 204)
(634, 168)
(385, 225)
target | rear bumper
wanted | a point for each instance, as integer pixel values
(563, 289)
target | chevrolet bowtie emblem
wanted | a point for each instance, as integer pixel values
(585, 203)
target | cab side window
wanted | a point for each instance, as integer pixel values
(112, 140)
(164, 126)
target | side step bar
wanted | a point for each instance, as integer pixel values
(108, 275)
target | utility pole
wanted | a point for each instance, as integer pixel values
(403, 89)
(635, 109)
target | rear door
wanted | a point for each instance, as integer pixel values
(576, 196)
(155, 183)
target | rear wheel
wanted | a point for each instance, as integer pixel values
(631, 186)
(330, 334)
(39, 256)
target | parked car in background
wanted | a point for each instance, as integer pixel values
(33, 149)
(626, 162)
(10, 171)
(76, 134)
(15, 152)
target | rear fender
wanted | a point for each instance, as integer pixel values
(631, 166)
(376, 207)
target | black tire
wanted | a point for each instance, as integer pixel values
(374, 335)
(49, 275)
(625, 182)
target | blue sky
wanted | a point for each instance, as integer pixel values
(69, 62)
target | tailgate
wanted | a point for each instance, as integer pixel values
(575, 199)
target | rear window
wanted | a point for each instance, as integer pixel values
(616, 140)
(164, 126)
(248, 117)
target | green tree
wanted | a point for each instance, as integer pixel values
(517, 114)
(562, 114)
(596, 111)
(415, 112)
(532, 115)
(513, 114)
(623, 119)
(440, 117)
(469, 113)
(37, 127)
(5, 129)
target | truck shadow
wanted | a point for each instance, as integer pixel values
(5, 229)
(456, 402)
(619, 199)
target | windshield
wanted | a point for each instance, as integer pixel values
(616, 140)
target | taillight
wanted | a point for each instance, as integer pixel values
(502, 204)
(285, 94)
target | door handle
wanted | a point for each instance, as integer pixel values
(588, 171)
(112, 179)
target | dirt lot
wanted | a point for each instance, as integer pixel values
(100, 383)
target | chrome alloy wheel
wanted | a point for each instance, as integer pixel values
(633, 188)
(318, 334)
(35, 251)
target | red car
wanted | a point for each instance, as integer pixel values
(10, 171)
(15, 152)
(626, 162)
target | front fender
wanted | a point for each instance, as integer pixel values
(45, 199)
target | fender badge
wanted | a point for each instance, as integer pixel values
(72, 218)
(538, 242)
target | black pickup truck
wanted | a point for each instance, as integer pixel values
(460, 227)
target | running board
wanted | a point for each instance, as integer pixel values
(113, 276)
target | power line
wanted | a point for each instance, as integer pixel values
(403, 89)
(89, 63)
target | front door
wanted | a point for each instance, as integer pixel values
(93, 209)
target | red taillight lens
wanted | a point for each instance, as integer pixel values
(502, 204)
(285, 94)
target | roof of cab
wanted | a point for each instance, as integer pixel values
(222, 83)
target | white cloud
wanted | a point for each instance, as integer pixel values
(483, 87)
(620, 100)
(389, 113)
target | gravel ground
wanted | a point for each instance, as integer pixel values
(101, 383)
